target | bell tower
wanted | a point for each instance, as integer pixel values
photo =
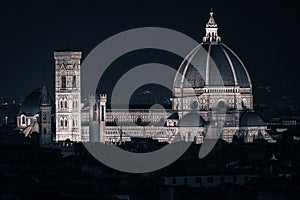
(67, 95)
(45, 118)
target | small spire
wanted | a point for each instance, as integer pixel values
(211, 35)
(67, 47)
(44, 76)
(45, 99)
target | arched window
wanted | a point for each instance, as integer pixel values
(61, 122)
(75, 104)
(63, 82)
(94, 112)
(66, 122)
(63, 103)
(23, 120)
(244, 103)
(44, 118)
(74, 82)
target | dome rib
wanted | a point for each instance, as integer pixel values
(241, 62)
(207, 66)
(231, 66)
(224, 75)
(198, 66)
(189, 61)
(180, 69)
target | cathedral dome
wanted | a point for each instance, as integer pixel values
(192, 119)
(251, 118)
(212, 58)
(31, 103)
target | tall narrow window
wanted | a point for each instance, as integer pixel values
(23, 120)
(95, 112)
(102, 113)
(61, 122)
(74, 82)
(66, 122)
(63, 82)
(44, 118)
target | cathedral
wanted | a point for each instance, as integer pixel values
(193, 102)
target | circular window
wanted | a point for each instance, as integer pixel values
(194, 105)
(222, 105)
(138, 120)
(116, 120)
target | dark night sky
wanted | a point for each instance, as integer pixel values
(264, 35)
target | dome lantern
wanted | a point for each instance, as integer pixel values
(211, 28)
